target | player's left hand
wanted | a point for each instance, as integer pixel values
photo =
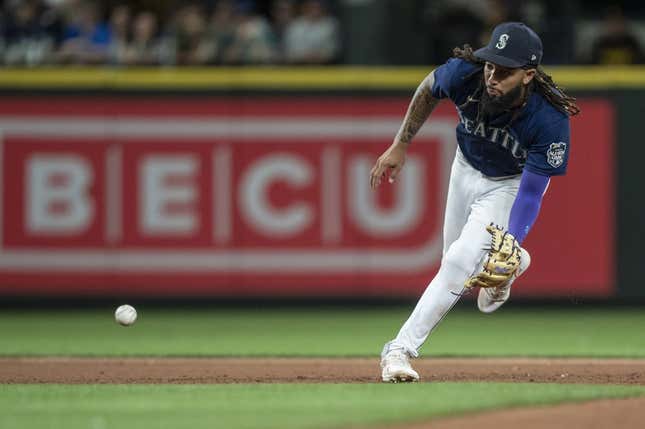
(503, 260)
(391, 161)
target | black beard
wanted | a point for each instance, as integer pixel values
(490, 106)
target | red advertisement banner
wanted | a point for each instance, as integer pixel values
(262, 197)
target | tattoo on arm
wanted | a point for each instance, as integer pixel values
(422, 104)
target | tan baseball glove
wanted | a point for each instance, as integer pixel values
(502, 263)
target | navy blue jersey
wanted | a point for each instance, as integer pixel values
(536, 140)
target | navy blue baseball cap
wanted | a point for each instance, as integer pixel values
(513, 45)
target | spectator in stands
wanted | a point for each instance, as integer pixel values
(313, 37)
(282, 15)
(30, 32)
(145, 46)
(192, 43)
(253, 40)
(87, 37)
(450, 23)
(617, 44)
(221, 28)
(120, 33)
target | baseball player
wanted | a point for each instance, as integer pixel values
(513, 135)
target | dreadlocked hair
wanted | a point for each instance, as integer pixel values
(466, 53)
(542, 83)
(554, 94)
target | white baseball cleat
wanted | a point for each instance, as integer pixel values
(396, 367)
(490, 299)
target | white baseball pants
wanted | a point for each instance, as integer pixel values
(474, 201)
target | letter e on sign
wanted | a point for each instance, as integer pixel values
(168, 195)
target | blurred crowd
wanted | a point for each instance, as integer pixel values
(255, 32)
(572, 31)
(226, 32)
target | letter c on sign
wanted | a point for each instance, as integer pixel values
(257, 209)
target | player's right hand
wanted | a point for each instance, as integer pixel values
(391, 161)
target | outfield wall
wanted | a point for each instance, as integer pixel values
(174, 189)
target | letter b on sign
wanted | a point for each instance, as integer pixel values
(58, 200)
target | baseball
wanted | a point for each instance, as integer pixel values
(125, 315)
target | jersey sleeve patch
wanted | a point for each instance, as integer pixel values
(548, 151)
(556, 153)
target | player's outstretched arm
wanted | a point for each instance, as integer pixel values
(392, 160)
(527, 204)
(422, 104)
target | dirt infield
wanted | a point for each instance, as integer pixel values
(312, 370)
(616, 414)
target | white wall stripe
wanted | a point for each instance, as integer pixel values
(113, 188)
(174, 127)
(331, 216)
(292, 261)
(222, 186)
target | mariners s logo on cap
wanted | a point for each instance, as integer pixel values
(513, 45)
(501, 44)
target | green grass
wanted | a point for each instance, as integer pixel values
(319, 332)
(346, 332)
(270, 406)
